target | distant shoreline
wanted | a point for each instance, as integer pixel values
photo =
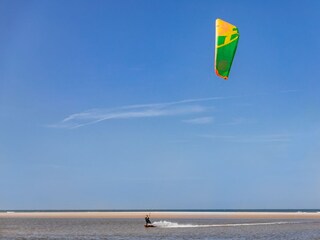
(162, 214)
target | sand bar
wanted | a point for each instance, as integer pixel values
(165, 215)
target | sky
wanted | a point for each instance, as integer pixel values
(115, 105)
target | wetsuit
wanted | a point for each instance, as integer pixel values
(147, 220)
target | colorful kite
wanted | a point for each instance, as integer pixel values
(227, 37)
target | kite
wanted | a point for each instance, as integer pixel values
(227, 37)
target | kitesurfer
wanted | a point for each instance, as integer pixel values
(147, 220)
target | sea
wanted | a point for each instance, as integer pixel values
(172, 229)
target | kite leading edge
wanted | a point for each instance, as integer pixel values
(227, 37)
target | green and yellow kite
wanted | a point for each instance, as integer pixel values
(227, 37)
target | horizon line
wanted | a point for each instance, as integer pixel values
(170, 210)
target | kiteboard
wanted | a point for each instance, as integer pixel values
(149, 225)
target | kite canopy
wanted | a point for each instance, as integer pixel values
(227, 37)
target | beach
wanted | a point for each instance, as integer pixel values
(164, 215)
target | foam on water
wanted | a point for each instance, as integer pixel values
(166, 224)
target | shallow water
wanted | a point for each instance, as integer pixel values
(174, 229)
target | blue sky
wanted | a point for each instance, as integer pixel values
(115, 105)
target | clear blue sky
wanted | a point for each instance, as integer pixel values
(115, 105)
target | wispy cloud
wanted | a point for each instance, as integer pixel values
(200, 120)
(289, 91)
(250, 139)
(147, 111)
(185, 101)
(182, 107)
(238, 121)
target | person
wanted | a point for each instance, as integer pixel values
(147, 220)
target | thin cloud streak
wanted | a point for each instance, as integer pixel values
(93, 116)
(200, 121)
(181, 107)
(178, 102)
(250, 139)
(98, 115)
(238, 121)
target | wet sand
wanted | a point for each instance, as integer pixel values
(165, 215)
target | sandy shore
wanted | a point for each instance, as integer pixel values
(163, 215)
